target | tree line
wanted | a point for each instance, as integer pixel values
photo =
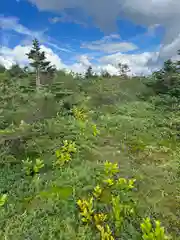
(164, 81)
(41, 67)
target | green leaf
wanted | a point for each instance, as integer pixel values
(105, 196)
(62, 192)
(3, 200)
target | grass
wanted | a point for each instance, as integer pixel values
(132, 133)
(148, 153)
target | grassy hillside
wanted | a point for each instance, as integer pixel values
(109, 122)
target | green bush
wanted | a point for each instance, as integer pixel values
(64, 146)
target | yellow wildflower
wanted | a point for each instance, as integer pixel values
(99, 218)
(111, 168)
(97, 191)
(109, 182)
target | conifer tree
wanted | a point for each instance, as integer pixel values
(2, 69)
(39, 62)
(89, 72)
(16, 71)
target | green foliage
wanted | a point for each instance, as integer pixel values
(54, 125)
(117, 211)
(105, 74)
(166, 83)
(32, 169)
(64, 154)
(111, 168)
(37, 56)
(3, 199)
(16, 72)
(89, 72)
(38, 62)
(2, 69)
(150, 233)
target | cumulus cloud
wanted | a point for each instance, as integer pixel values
(138, 63)
(171, 48)
(105, 13)
(107, 45)
(111, 47)
(85, 60)
(143, 12)
(17, 55)
(112, 70)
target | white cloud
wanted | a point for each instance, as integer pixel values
(170, 49)
(66, 18)
(55, 46)
(105, 13)
(53, 58)
(112, 70)
(13, 56)
(152, 29)
(138, 63)
(17, 55)
(144, 12)
(12, 23)
(77, 68)
(111, 47)
(107, 45)
(9, 56)
(84, 60)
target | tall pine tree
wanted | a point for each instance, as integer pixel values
(39, 62)
(89, 72)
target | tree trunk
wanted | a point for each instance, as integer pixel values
(38, 80)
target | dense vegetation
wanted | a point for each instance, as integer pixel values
(89, 158)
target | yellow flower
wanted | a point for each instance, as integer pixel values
(106, 233)
(100, 218)
(80, 203)
(97, 191)
(122, 181)
(86, 209)
(95, 130)
(131, 183)
(111, 168)
(109, 182)
(79, 114)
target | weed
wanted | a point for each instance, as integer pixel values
(32, 169)
(3, 199)
(64, 154)
(116, 213)
(152, 233)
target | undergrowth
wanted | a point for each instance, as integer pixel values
(68, 172)
(110, 208)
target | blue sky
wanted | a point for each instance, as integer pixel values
(84, 33)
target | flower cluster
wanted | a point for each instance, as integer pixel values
(64, 154)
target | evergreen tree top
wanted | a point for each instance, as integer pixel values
(38, 58)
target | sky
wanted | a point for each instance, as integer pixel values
(78, 33)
